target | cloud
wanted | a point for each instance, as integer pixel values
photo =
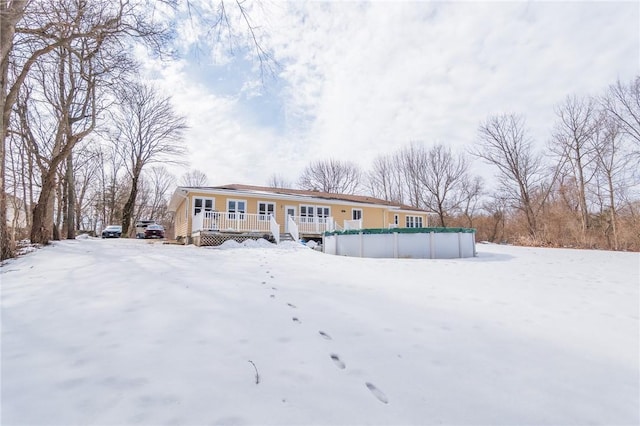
(359, 80)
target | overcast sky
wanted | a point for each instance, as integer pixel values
(357, 80)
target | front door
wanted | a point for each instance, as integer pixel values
(203, 206)
(288, 211)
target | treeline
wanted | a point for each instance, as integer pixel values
(83, 139)
(581, 190)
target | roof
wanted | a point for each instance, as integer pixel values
(362, 199)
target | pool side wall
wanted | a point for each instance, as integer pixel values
(417, 245)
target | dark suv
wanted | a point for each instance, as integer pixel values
(154, 231)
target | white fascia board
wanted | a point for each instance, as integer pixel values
(290, 197)
(179, 194)
(399, 210)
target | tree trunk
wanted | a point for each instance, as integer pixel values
(614, 219)
(42, 225)
(7, 248)
(441, 215)
(582, 196)
(127, 212)
(10, 14)
(71, 198)
(56, 212)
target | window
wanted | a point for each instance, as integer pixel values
(396, 219)
(265, 209)
(414, 222)
(306, 213)
(200, 204)
(236, 209)
(314, 213)
(356, 214)
(323, 213)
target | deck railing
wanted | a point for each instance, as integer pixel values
(353, 224)
(251, 222)
(313, 225)
(292, 227)
(275, 228)
(232, 221)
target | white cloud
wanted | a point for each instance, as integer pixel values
(360, 79)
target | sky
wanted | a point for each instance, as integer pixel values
(124, 331)
(355, 80)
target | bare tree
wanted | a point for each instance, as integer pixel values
(38, 30)
(573, 144)
(504, 143)
(613, 167)
(622, 102)
(11, 12)
(110, 191)
(194, 178)
(334, 176)
(76, 70)
(442, 177)
(32, 30)
(86, 172)
(277, 181)
(497, 208)
(385, 179)
(65, 99)
(411, 161)
(148, 131)
(471, 191)
(160, 183)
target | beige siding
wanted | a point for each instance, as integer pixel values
(182, 221)
(402, 218)
(372, 216)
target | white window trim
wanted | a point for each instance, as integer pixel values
(315, 217)
(306, 217)
(193, 204)
(414, 221)
(353, 210)
(260, 215)
(243, 214)
(324, 207)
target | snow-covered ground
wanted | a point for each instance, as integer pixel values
(115, 332)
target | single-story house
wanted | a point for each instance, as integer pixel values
(210, 215)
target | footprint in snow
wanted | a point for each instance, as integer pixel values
(325, 335)
(296, 319)
(338, 362)
(377, 393)
(291, 305)
(272, 296)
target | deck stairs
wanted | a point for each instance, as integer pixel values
(285, 236)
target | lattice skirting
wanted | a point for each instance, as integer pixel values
(216, 239)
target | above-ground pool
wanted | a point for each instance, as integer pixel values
(413, 243)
